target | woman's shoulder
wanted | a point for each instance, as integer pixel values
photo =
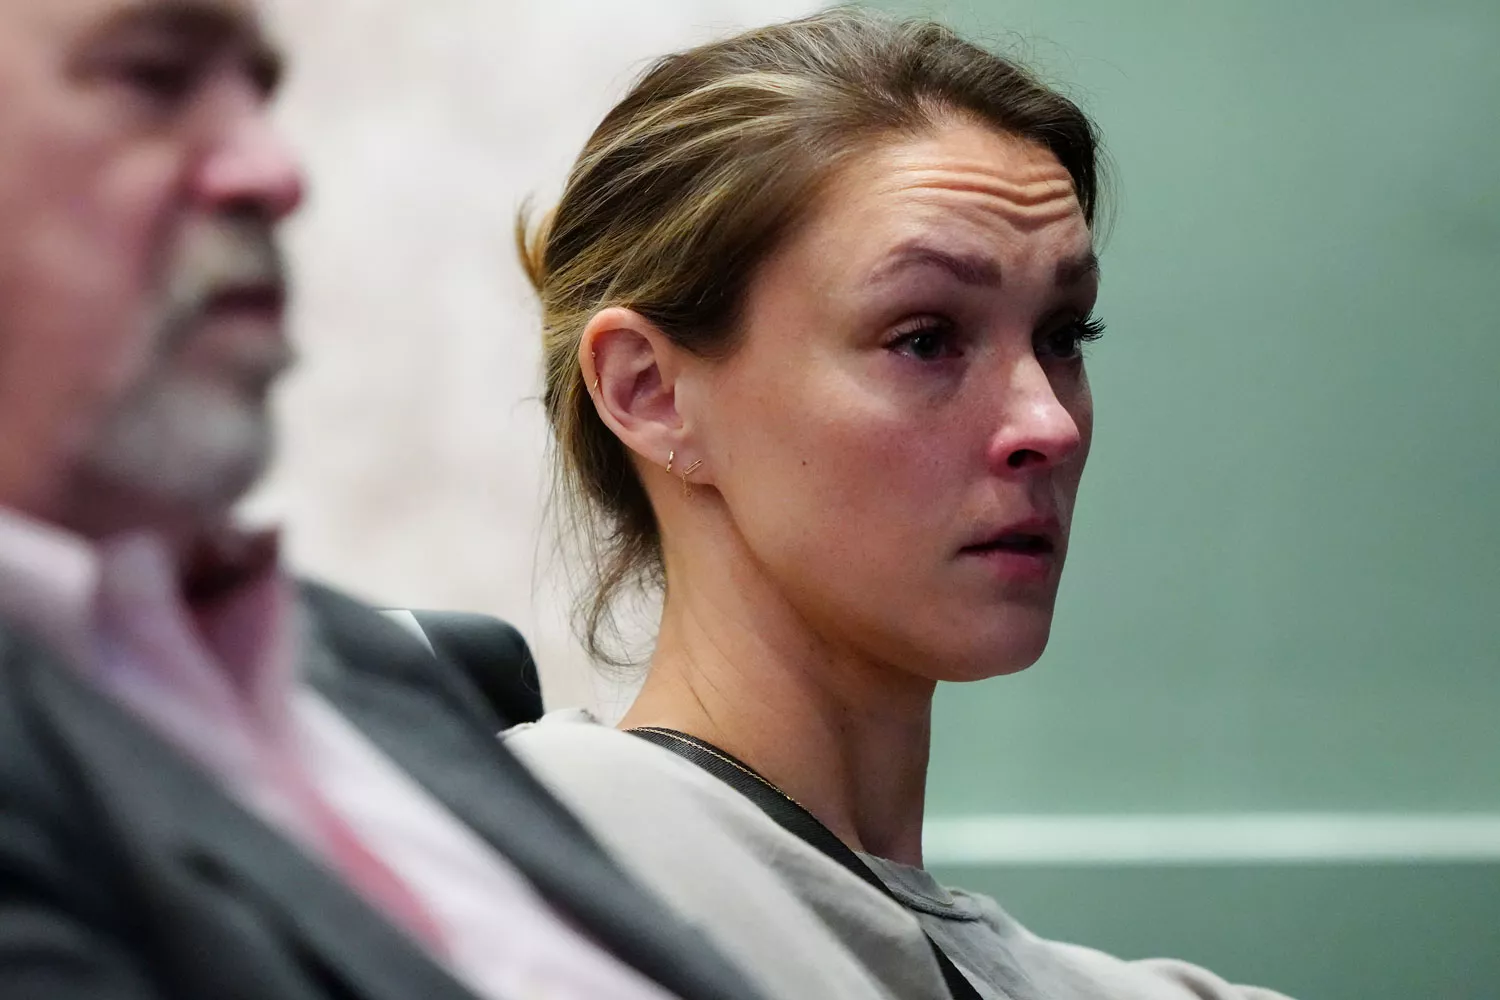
(564, 735)
(1057, 966)
(579, 756)
(642, 798)
(707, 850)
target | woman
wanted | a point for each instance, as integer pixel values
(815, 303)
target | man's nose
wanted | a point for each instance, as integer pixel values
(249, 165)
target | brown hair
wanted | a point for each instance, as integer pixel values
(693, 178)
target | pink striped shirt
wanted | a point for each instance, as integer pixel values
(219, 680)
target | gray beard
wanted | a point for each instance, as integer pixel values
(177, 451)
(180, 449)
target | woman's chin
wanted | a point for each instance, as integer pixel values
(994, 655)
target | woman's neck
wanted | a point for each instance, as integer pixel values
(846, 738)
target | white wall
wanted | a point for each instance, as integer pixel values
(412, 465)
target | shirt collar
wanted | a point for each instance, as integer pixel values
(229, 586)
(48, 580)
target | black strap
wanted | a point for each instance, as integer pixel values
(795, 820)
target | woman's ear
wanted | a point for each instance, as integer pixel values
(631, 368)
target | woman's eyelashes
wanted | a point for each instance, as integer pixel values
(934, 338)
(1065, 342)
(926, 338)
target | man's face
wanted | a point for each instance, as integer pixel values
(141, 291)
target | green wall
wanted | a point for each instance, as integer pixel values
(1322, 932)
(1286, 563)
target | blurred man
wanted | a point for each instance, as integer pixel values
(215, 782)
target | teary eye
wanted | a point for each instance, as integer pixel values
(926, 338)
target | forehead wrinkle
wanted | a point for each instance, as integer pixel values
(914, 197)
(1030, 196)
(1036, 190)
(1026, 216)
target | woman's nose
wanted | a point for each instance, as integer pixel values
(1038, 429)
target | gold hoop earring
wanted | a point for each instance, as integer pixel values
(687, 487)
(594, 356)
(671, 457)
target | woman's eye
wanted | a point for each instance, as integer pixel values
(926, 340)
(1065, 343)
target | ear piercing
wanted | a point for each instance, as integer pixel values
(687, 488)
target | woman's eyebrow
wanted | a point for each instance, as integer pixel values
(1076, 269)
(976, 269)
(968, 268)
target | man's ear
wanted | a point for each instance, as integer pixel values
(631, 370)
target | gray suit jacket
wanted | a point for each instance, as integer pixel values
(127, 874)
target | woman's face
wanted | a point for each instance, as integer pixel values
(899, 438)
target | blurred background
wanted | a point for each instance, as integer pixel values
(1266, 736)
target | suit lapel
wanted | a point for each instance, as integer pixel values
(457, 757)
(169, 811)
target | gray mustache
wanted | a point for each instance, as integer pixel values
(225, 257)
